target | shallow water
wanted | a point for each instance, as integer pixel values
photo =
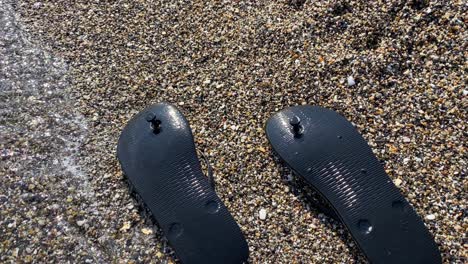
(40, 137)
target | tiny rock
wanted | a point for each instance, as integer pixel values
(125, 226)
(430, 217)
(351, 81)
(81, 222)
(262, 149)
(146, 231)
(392, 149)
(398, 182)
(262, 214)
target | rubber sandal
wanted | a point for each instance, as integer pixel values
(326, 150)
(157, 154)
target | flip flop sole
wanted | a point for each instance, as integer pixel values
(327, 151)
(157, 154)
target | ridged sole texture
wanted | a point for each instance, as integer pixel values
(329, 153)
(157, 154)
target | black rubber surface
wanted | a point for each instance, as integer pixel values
(328, 152)
(157, 154)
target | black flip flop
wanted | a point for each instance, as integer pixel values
(327, 151)
(157, 154)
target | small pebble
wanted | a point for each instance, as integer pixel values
(351, 81)
(125, 226)
(398, 182)
(430, 217)
(262, 214)
(146, 231)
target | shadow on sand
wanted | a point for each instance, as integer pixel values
(313, 202)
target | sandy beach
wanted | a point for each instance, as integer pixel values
(72, 73)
